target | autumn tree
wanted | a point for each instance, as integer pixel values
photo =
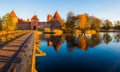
(95, 23)
(84, 21)
(70, 23)
(8, 23)
(87, 21)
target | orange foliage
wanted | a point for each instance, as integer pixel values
(83, 43)
(82, 21)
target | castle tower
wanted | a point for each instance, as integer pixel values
(49, 17)
(56, 15)
(56, 21)
(34, 22)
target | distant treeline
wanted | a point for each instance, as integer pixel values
(87, 22)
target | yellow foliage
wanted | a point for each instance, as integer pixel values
(57, 32)
(77, 32)
(39, 32)
(47, 35)
(47, 30)
(90, 32)
(7, 36)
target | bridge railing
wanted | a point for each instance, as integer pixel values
(36, 51)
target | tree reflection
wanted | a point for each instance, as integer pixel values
(95, 39)
(107, 38)
(55, 41)
(82, 41)
(70, 42)
(117, 38)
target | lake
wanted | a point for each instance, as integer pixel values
(80, 53)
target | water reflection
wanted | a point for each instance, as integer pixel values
(55, 41)
(82, 41)
(117, 38)
(107, 38)
(99, 52)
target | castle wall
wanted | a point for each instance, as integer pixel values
(43, 25)
(24, 25)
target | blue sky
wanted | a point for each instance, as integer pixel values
(104, 9)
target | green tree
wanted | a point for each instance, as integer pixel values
(107, 24)
(117, 25)
(0, 24)
(8, 22)
(70, 23)
(95, 23)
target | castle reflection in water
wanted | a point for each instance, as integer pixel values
(82, 41)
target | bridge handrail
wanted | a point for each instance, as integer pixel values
(36, 51)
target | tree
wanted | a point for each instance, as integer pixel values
(117, 25)
(70, 23)
(0, 24)
(95, 23)
(70, 14)
(107, 24)
(8, 23)
(87, 21)
(84, 21)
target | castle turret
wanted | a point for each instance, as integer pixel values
(56, 21)
(56, 15)
(49, 17)
(34, 22)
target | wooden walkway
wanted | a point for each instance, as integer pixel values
(9, 54)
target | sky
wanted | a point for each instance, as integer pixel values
(103, 9)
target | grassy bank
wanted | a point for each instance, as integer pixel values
(11, 35)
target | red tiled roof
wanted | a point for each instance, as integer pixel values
(56, 15)
(34, 17)
(13, 14)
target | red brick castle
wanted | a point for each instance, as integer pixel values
(53, 22)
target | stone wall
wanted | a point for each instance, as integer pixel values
(24, 25)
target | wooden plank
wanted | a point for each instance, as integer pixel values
(9, 53)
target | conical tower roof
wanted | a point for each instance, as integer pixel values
(13, 14)
(56, 15)
(34, 17)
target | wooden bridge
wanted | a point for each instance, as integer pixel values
(20, 54)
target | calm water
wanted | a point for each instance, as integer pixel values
(80, 53)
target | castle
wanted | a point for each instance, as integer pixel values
(53, 22)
